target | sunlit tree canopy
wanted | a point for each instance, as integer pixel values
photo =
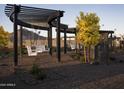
(88, 28)
(4, 37)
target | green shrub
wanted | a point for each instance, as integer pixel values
(37, 72)
(75, 56)
(24, 50)
(82, 59)
(96, 63)
(40, 75)
(6, 52)
(54, 49)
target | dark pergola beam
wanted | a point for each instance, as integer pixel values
(63, 26)
(30, 26)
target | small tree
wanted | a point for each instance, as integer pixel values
(4, 37)
(88, 32)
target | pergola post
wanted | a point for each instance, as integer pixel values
(15, 16)
(111, 41)
(21, 42)
(106, 51)
(21, 39)
(96, 53)
(65, 45)
(50, 39)
(58, 40)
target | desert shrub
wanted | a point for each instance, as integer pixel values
(54, 49)
(92, 60)
(24, 50)
(96, 63)
(82, 59)
(75, 56)
(121, 61)
(11, 53)
(6, 52)
(112, 58)
(69, 49)
(37, 72)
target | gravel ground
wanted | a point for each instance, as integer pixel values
(69, 74)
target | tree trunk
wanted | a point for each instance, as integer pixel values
(89, 57)
(93, 54)
(85, 54)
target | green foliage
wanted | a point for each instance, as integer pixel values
(4, 37)
(82, 59)
(24, 50)
(75, 56)
(6, 52)
(37, 72)
(87, 32)
(88, 29)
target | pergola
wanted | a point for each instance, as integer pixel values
(73, 31)
(36, 18)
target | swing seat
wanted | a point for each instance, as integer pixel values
(73, 47)
(41, 48)
(31, 51)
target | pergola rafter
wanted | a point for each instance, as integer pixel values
(29, 16)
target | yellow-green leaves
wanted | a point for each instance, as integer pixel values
(88, 28)
(3, 37)
(88, 33)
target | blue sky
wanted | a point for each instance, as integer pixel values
(110, 15)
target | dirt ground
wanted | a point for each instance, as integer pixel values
(69, 74)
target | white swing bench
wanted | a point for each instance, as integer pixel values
(34, 50)
(41, 49)
(73, 46)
